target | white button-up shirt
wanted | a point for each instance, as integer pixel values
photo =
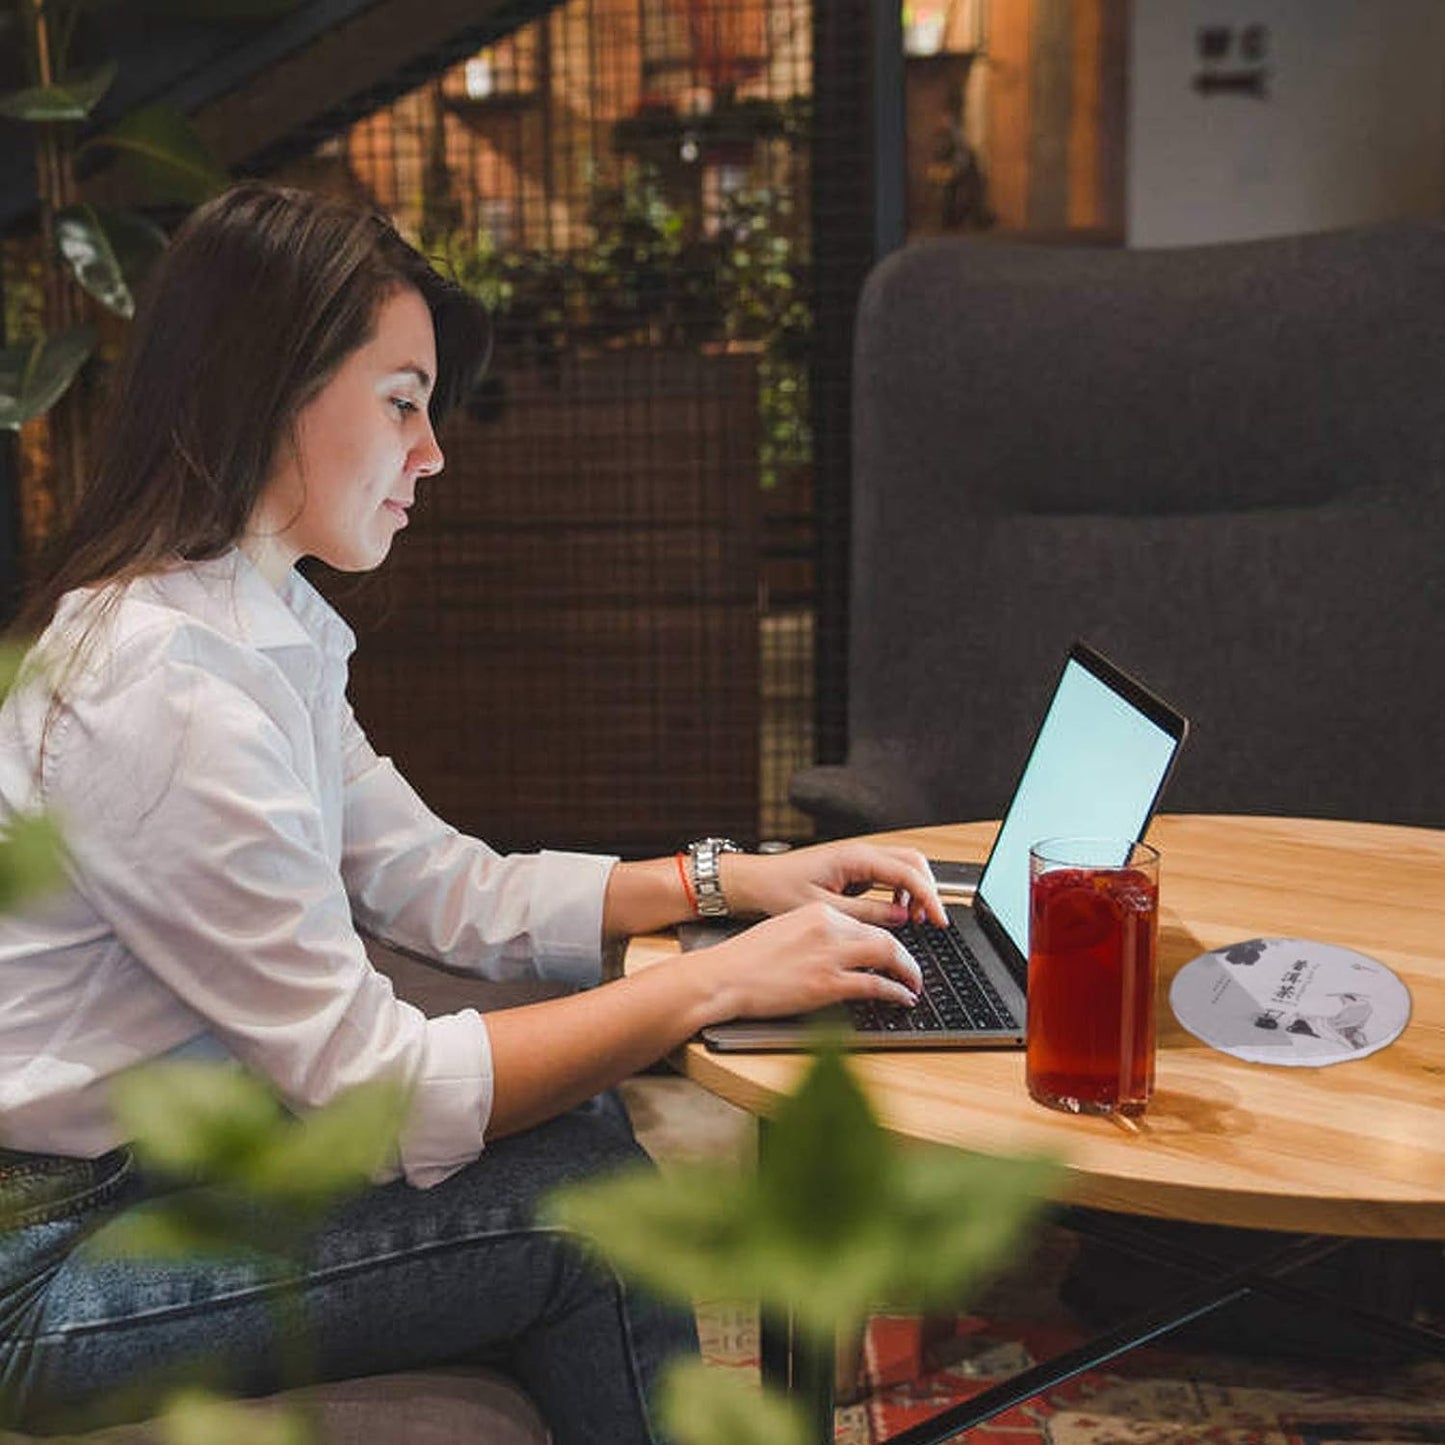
(228, 828)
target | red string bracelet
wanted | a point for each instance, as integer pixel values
(686, 883)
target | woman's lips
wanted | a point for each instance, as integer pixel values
(397, 510)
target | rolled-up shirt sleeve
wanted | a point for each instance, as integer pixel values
(415, 881)
(208, 855)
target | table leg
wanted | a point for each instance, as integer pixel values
(792, 1361)
(813, 1386)
(775, 1328)
(775, 1349)
(802, 1368)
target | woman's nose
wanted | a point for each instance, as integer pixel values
(426, 458)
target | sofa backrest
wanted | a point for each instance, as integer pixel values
(1224, 466)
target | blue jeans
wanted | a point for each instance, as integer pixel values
(395, 1279)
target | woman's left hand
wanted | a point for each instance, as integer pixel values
(839, 873)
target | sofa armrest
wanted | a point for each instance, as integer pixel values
(437, 990)
(847, 799)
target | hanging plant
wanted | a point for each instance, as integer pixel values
(90, 256)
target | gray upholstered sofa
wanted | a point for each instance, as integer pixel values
(432, 1407)
(1224, 466)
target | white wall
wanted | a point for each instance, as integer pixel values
(1350, 128)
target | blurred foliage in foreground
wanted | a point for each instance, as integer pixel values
(267, 1176)
(252, 1181)
(30, 844)
(838, 1220)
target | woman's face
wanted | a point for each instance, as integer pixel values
(342, 490)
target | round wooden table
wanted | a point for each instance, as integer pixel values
(1353, 1149)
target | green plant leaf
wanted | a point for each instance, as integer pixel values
(108, 252)
(12, 659)
(169, 159)
(196, 1120)
(969, 1241)
(943, 1223)
(837, 1220)
(827, 1159)
(151, 1234)
(332, 1151)
(701, 1405)
(198, 1417)
(137, 241)
(192, 1223)
(218, 1125)
(34, 377)
(30, 854)
(684, 1235)
(257, 1176)
(30, 849)
(73, 99)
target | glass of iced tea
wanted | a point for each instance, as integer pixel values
(1093, 944)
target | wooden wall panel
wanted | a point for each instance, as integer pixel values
(1084, 118)
(1006, 145)
(1053, 106)
(1051, 75)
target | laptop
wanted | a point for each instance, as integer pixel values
(1097, 767)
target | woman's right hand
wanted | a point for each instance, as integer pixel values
(548, 1056)
(806, 959)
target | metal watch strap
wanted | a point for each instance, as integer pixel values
(703, 858)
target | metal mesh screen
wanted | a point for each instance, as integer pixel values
(599, 629)
(621, 616)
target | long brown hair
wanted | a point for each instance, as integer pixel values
(262, 295)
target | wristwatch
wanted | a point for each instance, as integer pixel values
(706, 885)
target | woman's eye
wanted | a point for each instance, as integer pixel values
(403, 406)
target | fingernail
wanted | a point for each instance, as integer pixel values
(897, 913)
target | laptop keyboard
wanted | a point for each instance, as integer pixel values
(956, 993)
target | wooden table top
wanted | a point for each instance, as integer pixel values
(1355, 1148)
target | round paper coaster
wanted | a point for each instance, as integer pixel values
(1290, 1001)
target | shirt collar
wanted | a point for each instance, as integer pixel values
(230, 594)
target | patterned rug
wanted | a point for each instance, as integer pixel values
(1153, 1397)
(910, 1370)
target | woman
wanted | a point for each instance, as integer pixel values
(228, 830)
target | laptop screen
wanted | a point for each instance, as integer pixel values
(1096, 769)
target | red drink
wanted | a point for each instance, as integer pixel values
(1092, 943)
